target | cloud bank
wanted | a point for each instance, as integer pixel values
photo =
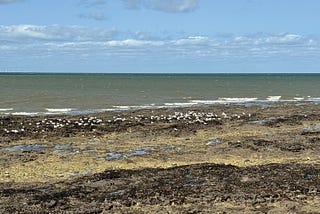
(31, 44)
(24, 34)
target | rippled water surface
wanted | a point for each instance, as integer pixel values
(57, 93)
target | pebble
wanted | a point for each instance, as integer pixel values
(214, 142)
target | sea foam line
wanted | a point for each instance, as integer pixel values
(190, 103)
(6, 109)
(239, 99)
(314, 99)
(23, 113)
(179, 104)
(151, 106)
(273, 98)
(225, 100)
(59, 109)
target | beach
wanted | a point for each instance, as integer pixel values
(233, 158)
(159, 106)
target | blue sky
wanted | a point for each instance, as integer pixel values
(160, 36)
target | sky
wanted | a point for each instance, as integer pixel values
(160, 36)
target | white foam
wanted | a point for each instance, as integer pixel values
(6, 109)
(59, 109)
(152, 106)
(179, 104)
(23, 113)
(239, 100)
(122, 107)
(225, 100)
(274, 98)
(208, 102)
(130, 107)
(314, 99)
(106, 109)
(298, 98)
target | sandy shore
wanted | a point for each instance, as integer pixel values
(225, 158)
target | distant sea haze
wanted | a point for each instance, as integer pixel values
(32, 94)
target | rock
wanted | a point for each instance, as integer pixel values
(51, 204)
(214, 142)
(307, 175)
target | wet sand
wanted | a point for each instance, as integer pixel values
(225, 158)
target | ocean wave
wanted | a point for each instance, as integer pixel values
(247, 101)
(208, 102)
(6, 109)
(179, 104)
(314, 99)
(23, 113)
(117, 108)
(273, 98)
(60, 109)
(225, 100)
(238, 99)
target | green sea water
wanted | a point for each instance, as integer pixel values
(98, 92)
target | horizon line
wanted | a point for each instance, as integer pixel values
(64, 72)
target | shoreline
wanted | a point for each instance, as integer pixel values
(60, 153)
(247, 102)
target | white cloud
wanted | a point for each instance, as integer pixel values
(285, 38)
(193, 40)
(92, 3)
(27, 33)
(7, 48)
(93, 15)
(98, 16)
(172, 6)
(16, 32)
(133, 4)
(31, 42)
(133, 43)
(169, 6)
(8, 1)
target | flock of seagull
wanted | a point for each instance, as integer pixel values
(46, 124)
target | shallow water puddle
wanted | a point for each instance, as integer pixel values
(61, 148)
(117, 192)
(137, 152)
(112, 156)
(258, 122)
(169, 148)
(189, 184)
(317, 127)
(142, 151)
(26, 148)
(313, 129)
(265, 121)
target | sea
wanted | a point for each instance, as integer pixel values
(74, 93)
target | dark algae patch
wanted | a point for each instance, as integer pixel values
(185, 189)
